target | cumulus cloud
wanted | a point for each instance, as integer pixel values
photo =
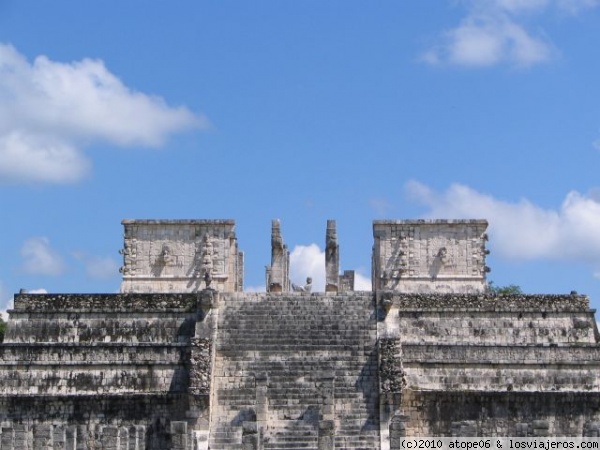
(500, 31)
(521, 229)
(102, 267)
(309, 261)
(37, 291)
(40, 258)
(361, 282)
(49, 110)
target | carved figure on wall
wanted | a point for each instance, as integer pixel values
(442, 255)
(166, 256)
(128, 253)
(206, 263)
(306, 288)
(207, 278)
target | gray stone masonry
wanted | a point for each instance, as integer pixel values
(278, 371)
(182, 359)
(278, 273)
(332, 258)
(104, 371)
(483, 365)
(181, 256)
(319, 352)
(429, 256)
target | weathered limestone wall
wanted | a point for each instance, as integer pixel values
(439, 413)
(294, 370)
(429, 256)
(179, 255)
(104, 371)
(482, 365)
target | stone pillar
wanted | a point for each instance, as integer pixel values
(201, 360)
(397, 430)
(20, 436)
(7, 438)
(42, 437)
(326, 439)
(71, 438)
(240, 272)
(391, 384)
(137, 437)
(278, 274)
(110, 438)
(124, 438)
(327, 382)
(200, 440)
(59, 438)
(332, 258)
(179, 436)
(251, 436)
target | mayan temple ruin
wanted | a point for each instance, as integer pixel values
(182, 358)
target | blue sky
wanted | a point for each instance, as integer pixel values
(302, 111)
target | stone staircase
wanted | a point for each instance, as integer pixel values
(288, 361)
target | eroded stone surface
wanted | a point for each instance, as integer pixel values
(181, 256)
(223, 369)
(426, 256)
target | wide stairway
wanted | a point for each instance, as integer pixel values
(288, 361)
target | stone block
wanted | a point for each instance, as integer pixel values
(42, 437)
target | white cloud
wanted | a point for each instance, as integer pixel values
(49, 109)
(37, 291)
(40, 258)
(499, 31)
(361, 282)
(28, 157)
(102, 267)
(523, 230)
(489, 39)
(309, 261)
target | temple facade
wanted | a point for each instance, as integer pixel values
(183, 358)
